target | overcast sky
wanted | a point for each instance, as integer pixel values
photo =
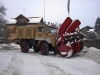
(55, 10)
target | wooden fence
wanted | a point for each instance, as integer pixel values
(92, 43)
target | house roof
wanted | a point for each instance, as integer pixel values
(34, 19)
(86, 27)
(21, 16)
(11, 21)
(31, 20)
(91, 30)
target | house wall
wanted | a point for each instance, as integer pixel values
(12, 34)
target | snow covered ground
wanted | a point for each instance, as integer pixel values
(14, 62)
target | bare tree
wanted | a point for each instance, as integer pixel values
(2, 14)
(2, 20)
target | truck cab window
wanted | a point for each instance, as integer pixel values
(40, 29)
(51, 29)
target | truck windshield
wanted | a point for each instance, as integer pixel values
(51, 29)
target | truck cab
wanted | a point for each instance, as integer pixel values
(42, 38)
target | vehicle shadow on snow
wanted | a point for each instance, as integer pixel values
(51, 54)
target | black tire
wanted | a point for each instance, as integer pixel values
(24, 47)
(44, 48)
(36, 49)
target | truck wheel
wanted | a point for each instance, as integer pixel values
(36, 49)
(24, 47)
(44, 48)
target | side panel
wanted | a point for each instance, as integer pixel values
(30, 32)
(36, 38)
(20, 33)
(26, 32)
(48, 40)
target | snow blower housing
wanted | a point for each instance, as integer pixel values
(44, 38)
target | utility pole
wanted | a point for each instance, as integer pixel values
(68, 7)
(23, 11)
(44, 10)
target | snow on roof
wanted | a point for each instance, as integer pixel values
(34, 19)
(91, 30)
(11, 21)
(31, 20)
(81, 27)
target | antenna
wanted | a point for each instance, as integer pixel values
(23, 11)
(44, 10)
(68, 7)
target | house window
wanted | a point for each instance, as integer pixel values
(21, 21)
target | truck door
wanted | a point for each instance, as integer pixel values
(40, 33)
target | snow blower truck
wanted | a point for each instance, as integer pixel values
(64, 41)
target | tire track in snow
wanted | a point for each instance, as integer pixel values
(52, 68)
(14, 67)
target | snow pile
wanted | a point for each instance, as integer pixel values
(91, 53)
(11, 46)
(14, 62)
(93, 48)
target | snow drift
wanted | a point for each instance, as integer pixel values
(14, 62)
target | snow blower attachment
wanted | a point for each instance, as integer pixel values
(69, 42)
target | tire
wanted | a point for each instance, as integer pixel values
(44, 48)
(36, 49)
(24, 47)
